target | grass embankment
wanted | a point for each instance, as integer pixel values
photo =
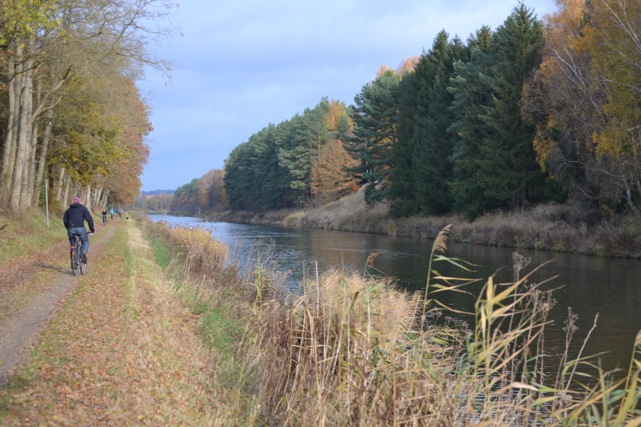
(123, 350)
(27, 234)
(560, 228)
(354, 350)
(161, 333)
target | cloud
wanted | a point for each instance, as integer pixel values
(244, 64)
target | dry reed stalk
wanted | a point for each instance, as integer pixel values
(354, 350)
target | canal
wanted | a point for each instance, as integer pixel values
(590, 286)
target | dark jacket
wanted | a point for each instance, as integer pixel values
(76, 216)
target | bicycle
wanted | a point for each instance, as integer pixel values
(77, 263)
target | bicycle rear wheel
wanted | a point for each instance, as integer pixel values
(74, 260)
(82, 264)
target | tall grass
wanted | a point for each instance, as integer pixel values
(353, 349)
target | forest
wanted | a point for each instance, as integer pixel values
(532, 112)
(72, 120)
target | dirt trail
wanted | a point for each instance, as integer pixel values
(20, 328)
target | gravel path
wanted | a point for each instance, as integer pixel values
(20, 329)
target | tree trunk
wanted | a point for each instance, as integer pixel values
(65, 200)
(42, 157)
(23, 106)
(9, 155)
(60, 184)
(87, 197)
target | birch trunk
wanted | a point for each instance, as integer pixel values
(60, 184)
(42, 157)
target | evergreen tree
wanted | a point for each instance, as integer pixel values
(272, 169)
(508, 171)
(432, 142)
(308, 133)
(471, 90)
(374, 132)
(402, 187)
(422, 154)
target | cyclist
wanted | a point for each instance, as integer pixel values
(104, 216)
(74, 220)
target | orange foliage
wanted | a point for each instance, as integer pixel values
(329, 175)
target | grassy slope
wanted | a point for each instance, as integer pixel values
(28, 233)
(560, 228)
(125, 349)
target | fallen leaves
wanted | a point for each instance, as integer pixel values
(123, 350)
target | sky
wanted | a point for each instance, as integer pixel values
(241, 65)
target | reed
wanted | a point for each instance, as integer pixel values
(355, 350)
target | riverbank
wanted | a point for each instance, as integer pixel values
(559, 228)
(165, 330)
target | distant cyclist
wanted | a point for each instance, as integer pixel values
(104, 216)
(74, 220)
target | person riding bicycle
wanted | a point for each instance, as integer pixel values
(74, 220)
(104, 216)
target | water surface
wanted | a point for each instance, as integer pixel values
(590, 286)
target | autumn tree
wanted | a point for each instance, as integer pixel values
(217, 195)
(330, 172)
(584, 101)
(22, 25)
(48, 47)
(616, 37)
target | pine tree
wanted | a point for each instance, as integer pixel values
(422, 154)
(508, 171)
(471, 90)
(374, 133)
(433, 144)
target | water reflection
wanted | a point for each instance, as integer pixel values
(609, 288)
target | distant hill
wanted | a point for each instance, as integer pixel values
(157, 192)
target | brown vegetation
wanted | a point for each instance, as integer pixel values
(354, 350)
(561, 228)
(177, 334)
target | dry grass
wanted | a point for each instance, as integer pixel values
(122, 351)
(20, 236)
(354, 350)
(561, 228)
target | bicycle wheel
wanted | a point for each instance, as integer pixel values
(74, 260)
(81, 263)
